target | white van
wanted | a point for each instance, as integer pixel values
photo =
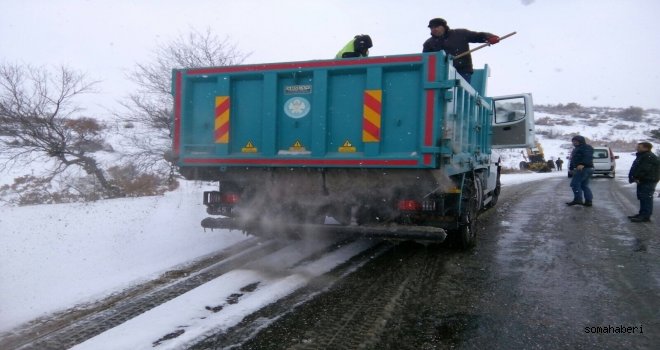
(604, 161)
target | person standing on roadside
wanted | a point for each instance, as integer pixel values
(582, 166)
(559, 163)
(645, 172)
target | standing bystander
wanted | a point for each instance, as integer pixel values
(645, 172)
(582, 167)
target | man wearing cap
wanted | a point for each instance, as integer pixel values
(455, 42)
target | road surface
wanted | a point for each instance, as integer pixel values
(543, 275)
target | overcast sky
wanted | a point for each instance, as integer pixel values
(593, 52)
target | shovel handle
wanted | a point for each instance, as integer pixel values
(482, 46)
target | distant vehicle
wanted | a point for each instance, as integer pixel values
(604, 162)
(535, 160)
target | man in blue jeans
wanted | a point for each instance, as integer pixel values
(582, 166)
(645, 171)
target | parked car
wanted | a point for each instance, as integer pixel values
(604, 162)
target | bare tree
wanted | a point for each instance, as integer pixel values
(39, 120)
(149, 110)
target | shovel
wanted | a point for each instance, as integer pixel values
(481, 46)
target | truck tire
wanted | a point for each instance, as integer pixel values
(479, 192)
(467, 234)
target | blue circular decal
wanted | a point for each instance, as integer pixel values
(297, 107)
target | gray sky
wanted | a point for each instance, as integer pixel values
(593, 52)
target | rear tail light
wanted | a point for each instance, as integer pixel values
(229, 198)
(409, 205)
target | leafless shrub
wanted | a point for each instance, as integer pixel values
(623, 127)
(33, 190)
(135, 183)
(550, 133)
(148, 111)
(582, 115)
(544, 121)
(633, 114)
(617, 145)
(592, 123)
(602, 118)
(40, 121)
(655, 134)
(565, 122)
(561, 109)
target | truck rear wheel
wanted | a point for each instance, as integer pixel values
(467, 234)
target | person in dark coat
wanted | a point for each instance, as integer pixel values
(645, 172)
(559, 163)
(455, 42)
(582, 166)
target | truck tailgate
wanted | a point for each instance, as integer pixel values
(372, 112)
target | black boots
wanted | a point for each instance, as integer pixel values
(574, 202)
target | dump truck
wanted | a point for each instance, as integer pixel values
(398, 147)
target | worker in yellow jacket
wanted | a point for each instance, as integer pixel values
(357, 47)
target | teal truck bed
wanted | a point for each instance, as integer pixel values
(351, 139)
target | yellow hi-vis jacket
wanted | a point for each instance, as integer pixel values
(350, 47)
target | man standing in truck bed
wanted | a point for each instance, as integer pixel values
(455, 42)
(357, 47)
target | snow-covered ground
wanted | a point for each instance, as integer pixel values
(55, 256)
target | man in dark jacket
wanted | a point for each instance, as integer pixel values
(559, 163)
(455, 42)
(645, 171)
(582, 166)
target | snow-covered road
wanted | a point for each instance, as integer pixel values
(73, 254)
